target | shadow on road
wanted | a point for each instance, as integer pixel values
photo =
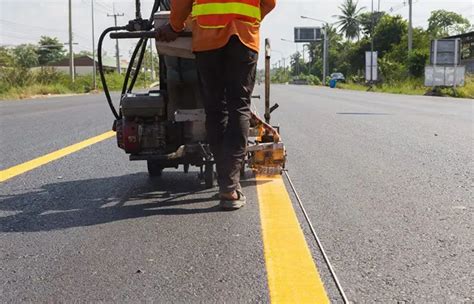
(96, 201)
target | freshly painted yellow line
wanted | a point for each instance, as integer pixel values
(42, 160)
(291, 271)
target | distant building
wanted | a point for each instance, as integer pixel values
(84, 65)
(467, 50)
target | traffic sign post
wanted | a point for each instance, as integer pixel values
(371, 67)
(307, 34)
(311, 35)
(444, 69)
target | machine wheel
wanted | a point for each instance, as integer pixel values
(154, 169)
(209, 178)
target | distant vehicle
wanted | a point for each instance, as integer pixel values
(338, 77)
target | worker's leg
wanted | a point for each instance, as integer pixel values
(240, 72)
(211, 71)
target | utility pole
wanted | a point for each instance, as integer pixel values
(94, 69)
(325, 46)
(303, 53)
(372, 46)
(71, 52)
(410, 26)
(117, 49)
(152, 61)
(297, 66)
(325, 54)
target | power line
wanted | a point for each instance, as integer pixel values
(104, 6)
(20, 38)
(398, 7)
(102, 10)
(32, 26)
(16, 33)
(24, 33)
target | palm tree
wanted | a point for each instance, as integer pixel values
(349, 22)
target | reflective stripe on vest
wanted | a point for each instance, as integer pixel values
(219, 13)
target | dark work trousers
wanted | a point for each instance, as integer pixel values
(227, 79)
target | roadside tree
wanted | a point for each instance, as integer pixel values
(349, 20)
(6, 57)
(389, 33)
(369, 21)
(25, 56)
(443, 23)
(83, 53)
(50, 50)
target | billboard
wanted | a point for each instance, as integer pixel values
(445, 52)
(308, 34)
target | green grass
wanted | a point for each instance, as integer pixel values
(413, 87)
(467, 91)
(34, 90)
(56, 83)
(409, 87)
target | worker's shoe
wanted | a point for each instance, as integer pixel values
(219, 195)
(234, 204)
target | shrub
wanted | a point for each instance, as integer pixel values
(416, 62)
(16, 76)
(466, 91)
(311, 79)
(48, 75)
(357, 79)
(392, 71)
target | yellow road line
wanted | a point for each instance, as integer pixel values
(292, 273)
(42, 160)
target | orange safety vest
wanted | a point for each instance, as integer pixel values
(219, 13)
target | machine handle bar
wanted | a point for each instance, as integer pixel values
(142, 34)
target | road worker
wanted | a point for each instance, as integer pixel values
(226, 43)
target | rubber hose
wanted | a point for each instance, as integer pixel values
(101, 67)
(156, 6)
(139, 65)
(130, 66)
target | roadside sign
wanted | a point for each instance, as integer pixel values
(445, 52)
(444, 76)
(445, 59)
(371, 66)
(308, 34)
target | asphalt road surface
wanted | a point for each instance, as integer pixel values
(387, 181)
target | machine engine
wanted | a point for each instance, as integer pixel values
(142, 129)
(145, 128)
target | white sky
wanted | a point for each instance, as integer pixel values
(24, 21)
